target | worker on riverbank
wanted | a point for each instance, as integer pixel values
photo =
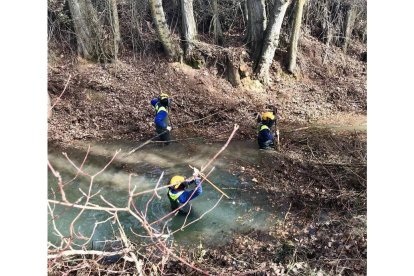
(265, 138)
(161, 106)
(178, 193)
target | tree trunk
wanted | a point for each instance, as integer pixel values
(188, 26)
(115, 26)
(158, 16)
(327, 29)
(92, 41)
(349, 25)
(256, 26)
(294, 38)
(218, 32)
(271, 40)
(245, 12)
(232, 67)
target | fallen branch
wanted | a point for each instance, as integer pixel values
(201, 119)
(145, 143)
(68, 253)
(64, 89)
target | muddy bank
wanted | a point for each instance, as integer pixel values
(112, 100)
(318, 180)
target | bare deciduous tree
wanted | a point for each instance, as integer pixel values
(271, 40)
(215, 21)
(350, 16)
(256, 25)
(94, 41)
(294, 38)
(171, 48)
(189, 28)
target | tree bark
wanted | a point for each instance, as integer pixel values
(218, 32)
(349, 25)
(256, 25)
(188, 26)
(158, 16)
(115, 26)
(232, 67)
(92, 41)
(271, 40)
(294, 38)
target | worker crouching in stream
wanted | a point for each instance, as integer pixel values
(178, 193)
(266, 137)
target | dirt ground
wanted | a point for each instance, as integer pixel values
(112, 101)
(318, 177)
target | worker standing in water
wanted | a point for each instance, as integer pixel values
(161, 106)
(266, 138)
(179, 194)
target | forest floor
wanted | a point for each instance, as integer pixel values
(319, 174)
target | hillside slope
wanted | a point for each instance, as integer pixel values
(112, 101)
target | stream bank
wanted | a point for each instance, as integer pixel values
(315, 185)
(314, 189)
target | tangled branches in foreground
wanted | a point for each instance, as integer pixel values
(152, 256)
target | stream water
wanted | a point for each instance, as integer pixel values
(245, 210)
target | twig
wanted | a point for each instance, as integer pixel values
(284, 219)
(297, 129)
(81, 166)
(208, 211)
(201, 119)
(236, 127)
(145, 143)
(64, 89)
(86, 252)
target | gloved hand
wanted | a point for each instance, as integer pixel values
(196, 172)
(168, 128)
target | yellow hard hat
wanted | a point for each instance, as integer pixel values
(163, 96)
(268, 116)
(177, 180)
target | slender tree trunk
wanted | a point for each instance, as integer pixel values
(256, 26)
(188, 26)
(218, 32)
(245, 12)
(85, 28)
(349, 25)
(115, 26)
(294, 38)
(327, 24)
(271, 40)
(157, 12)
(92, 41)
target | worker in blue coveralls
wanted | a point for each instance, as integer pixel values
(178, 193)
(161, 106)
(265, 137)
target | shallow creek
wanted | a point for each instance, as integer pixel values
(245, 210)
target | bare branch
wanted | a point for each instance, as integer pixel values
(64, 89)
